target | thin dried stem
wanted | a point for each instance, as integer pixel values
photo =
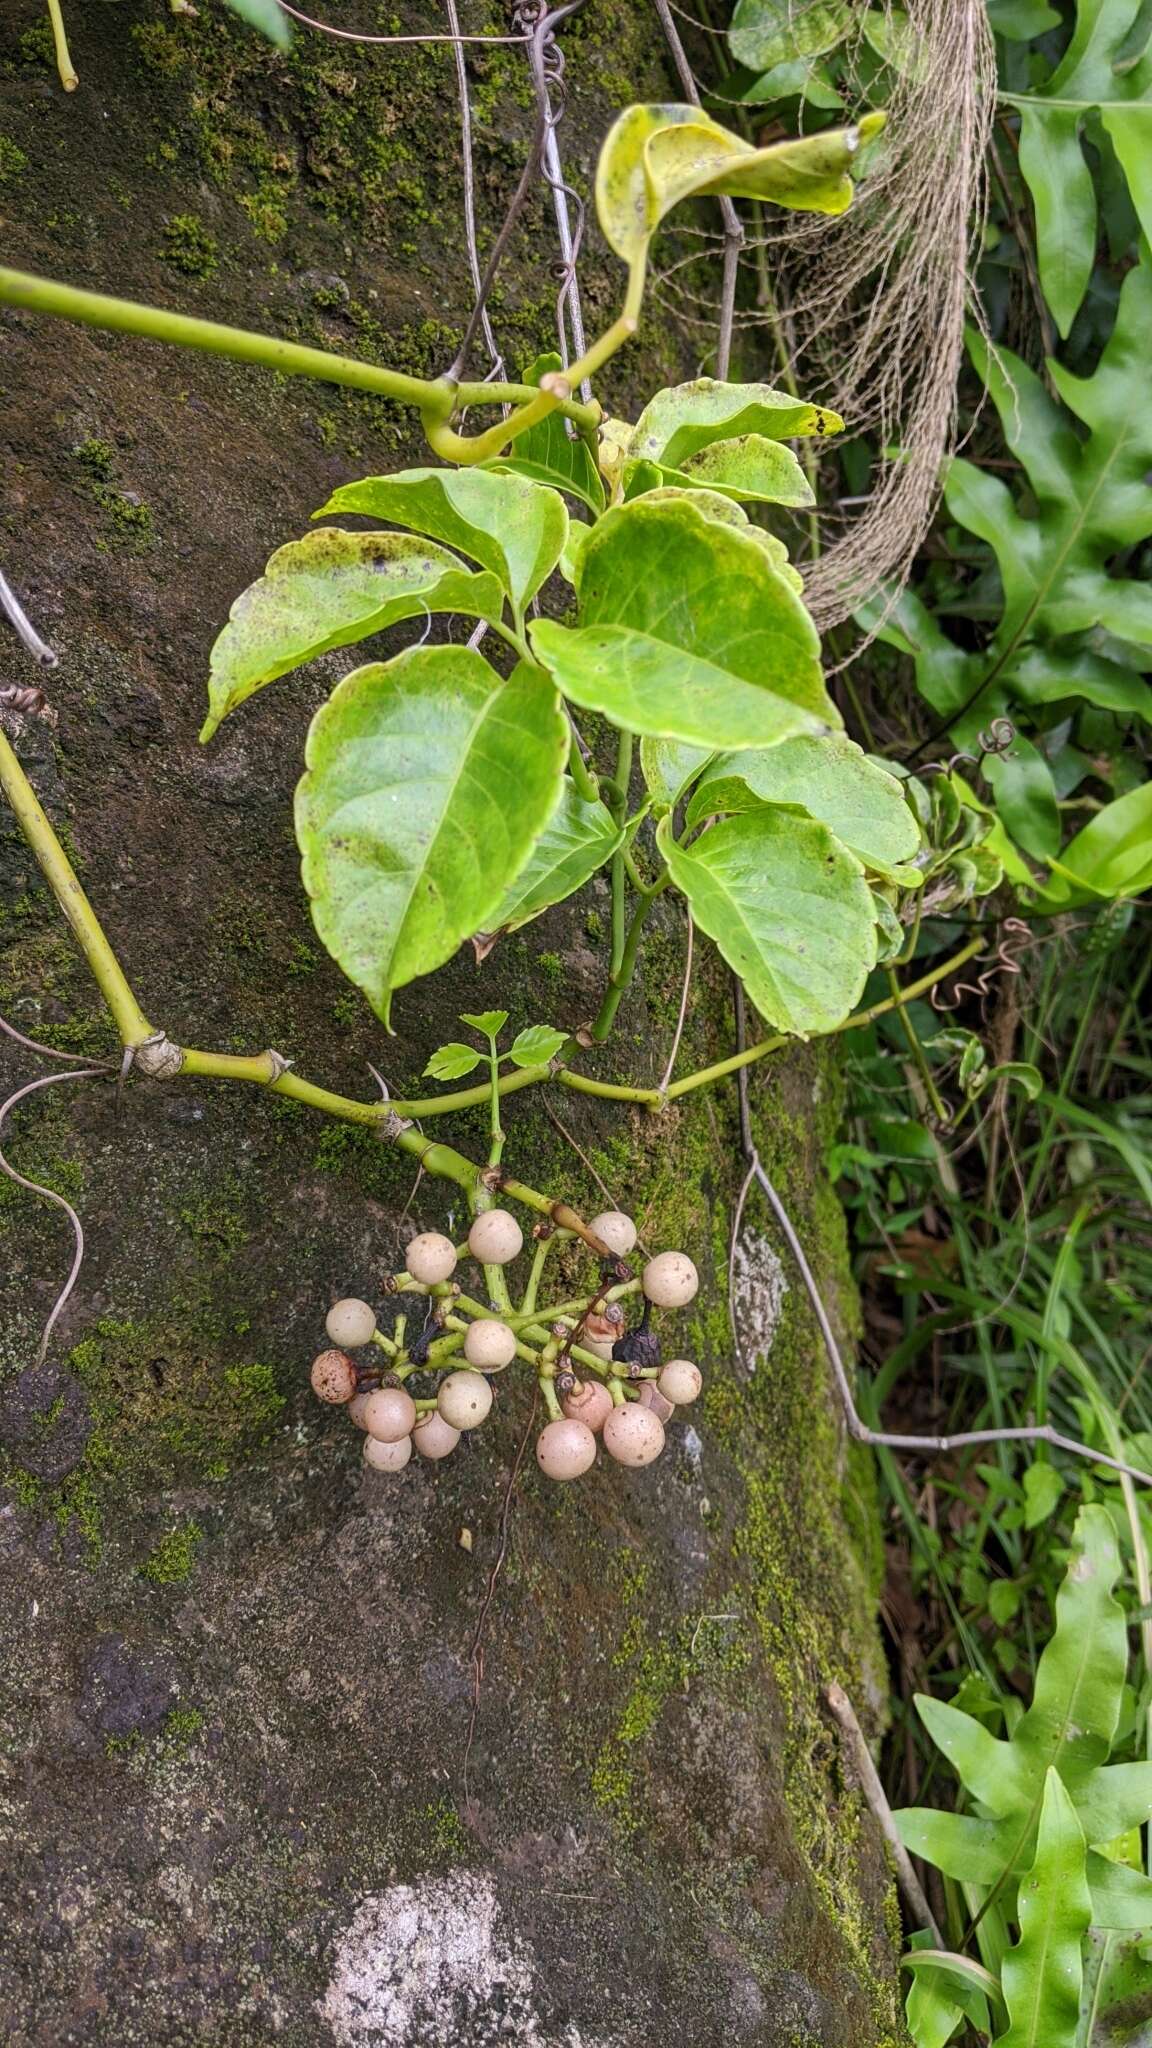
(36, 1187)
(858, 1429)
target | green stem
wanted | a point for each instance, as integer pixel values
(919, 1056)
(622, 974)
(435, 400)
(855, 1022)
(586, 783)
(64, 65)
(57, 869)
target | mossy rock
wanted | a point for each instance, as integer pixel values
(240, 1676)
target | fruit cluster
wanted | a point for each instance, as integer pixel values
(600, 1380)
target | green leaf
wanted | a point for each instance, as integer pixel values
(548, 454)
(963, 1846)
(452, 1061)
(1043, 1492)
(1112, 856)
(752, 468)
(687, 418)
(537, 1045)
(428, 781)
(1121, 1897)
(1092, 76)
(768, 32)
(833, 780)
(789, 910)
(803, 78)
(1080, 1676)
(328, 590)
(1042, 1975)
(972, 1986)
(687, 632)
(578, 838)
(1019, 1074)
(1113, 1799)
(897, 41)
(1026, 798)
(668, 766)
(267, 16)
(514, 527)
(489, 1023)
(994, 1772)
(1066, 538)
(655, 156)
(1049, 674)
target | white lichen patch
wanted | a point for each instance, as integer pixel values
(422, 1966)
(759, 1286)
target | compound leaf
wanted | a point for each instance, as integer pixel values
(536, 1045)
(451, 1062)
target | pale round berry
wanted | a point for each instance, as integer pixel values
(333, 1376)
(350, 1322)
(433, 1437)
(680, 1381)
(431, 1257)
(651, 1397)
(588, 1403)
(356, 1407)
(633, 1435)
(387, 1457)
(565, 1449)
(670, 1280)
(495, 1238)
(389, 1414)
(464, 1399)
(616, 1230)
(489, 1345)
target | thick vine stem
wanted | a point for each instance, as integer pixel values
(434, 399)
(60, 875)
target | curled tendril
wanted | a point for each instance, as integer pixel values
(1015, 935)
(36, 1187)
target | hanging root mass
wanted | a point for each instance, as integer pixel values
(874, 302)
